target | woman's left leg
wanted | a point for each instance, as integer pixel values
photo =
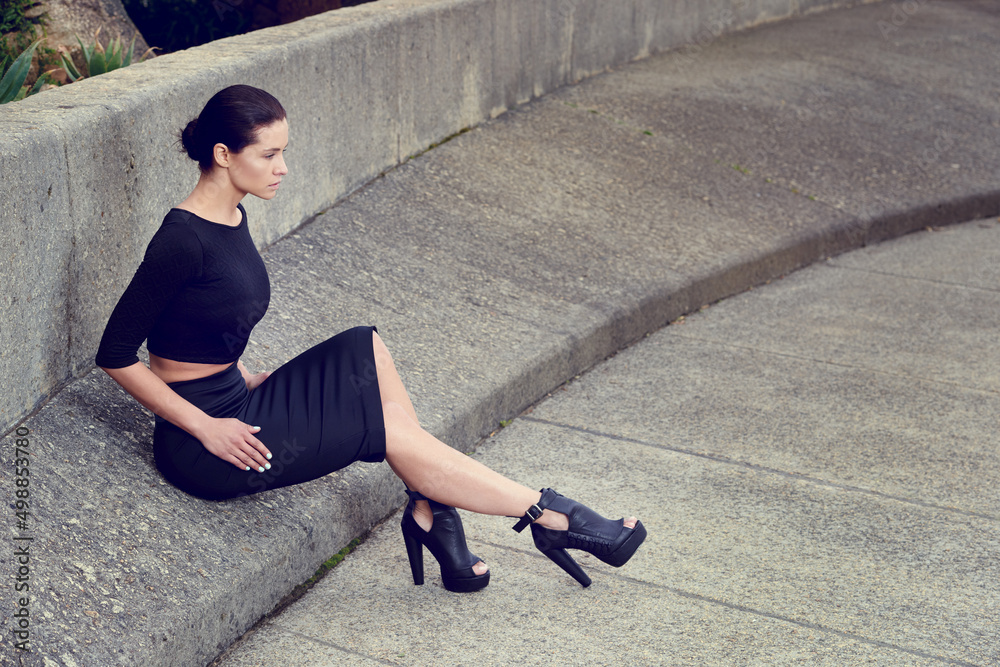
(427, 465)
(430, 467)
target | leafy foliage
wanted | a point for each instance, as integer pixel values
(100, 59)
(18, 29)
(12, 18)
(11, 85)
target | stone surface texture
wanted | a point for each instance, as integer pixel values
(513, 258)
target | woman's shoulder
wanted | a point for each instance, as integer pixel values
(178, 227)
(181, 218)
(175, 239)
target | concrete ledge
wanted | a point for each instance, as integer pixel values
(89, 169)
(497, 266)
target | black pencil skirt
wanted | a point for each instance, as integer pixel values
(318, 413)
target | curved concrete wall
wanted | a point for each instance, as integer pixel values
(88, 171)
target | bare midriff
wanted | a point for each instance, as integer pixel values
(169, 370)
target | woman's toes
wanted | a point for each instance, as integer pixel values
(630, 522)
(480, 568)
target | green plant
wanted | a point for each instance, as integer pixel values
(19, 23)
(17, 28)
(100, 60)
(332, 562)
(11, 85)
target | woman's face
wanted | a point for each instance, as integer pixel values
(259, 167)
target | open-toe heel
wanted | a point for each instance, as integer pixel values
(446, 541)
(611, 541)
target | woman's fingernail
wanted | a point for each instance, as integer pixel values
(248, 467)
(260, 469)
(269, 455)
(267, 465)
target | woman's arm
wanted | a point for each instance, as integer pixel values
(229, 439)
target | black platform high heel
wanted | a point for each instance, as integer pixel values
(611, 541)
(446, 541)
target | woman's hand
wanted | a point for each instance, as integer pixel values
(229, 439)
(254, 380)
(234, 442)
(251, 379)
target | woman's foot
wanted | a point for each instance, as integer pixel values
(559, 523)
(445, 539)
(424, 518)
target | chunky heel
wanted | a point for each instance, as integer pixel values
(610, 541)
(415, 552)
(446, 542)
(562, 558)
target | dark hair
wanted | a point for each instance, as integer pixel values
(232, 117)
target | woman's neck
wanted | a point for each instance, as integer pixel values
(214, 200)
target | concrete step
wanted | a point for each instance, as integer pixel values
(503, 263)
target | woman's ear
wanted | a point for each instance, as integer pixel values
(220, 155)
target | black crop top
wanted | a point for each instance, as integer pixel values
(200, 289)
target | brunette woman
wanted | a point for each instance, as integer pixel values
(222, 432)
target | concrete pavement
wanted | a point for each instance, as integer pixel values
(816, 463)
(815, 458)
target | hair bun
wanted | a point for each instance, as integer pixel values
(189, 141)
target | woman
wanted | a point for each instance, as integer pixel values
(202, 287)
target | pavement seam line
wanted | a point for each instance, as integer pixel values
(717, 458)
(331, 644)
(829, 362)
(751, 610)
(902, 276)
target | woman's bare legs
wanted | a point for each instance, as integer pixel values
(427, 465)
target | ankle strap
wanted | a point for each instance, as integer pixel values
(535, 511)
(529, 517)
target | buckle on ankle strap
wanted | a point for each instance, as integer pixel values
(529, 517)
